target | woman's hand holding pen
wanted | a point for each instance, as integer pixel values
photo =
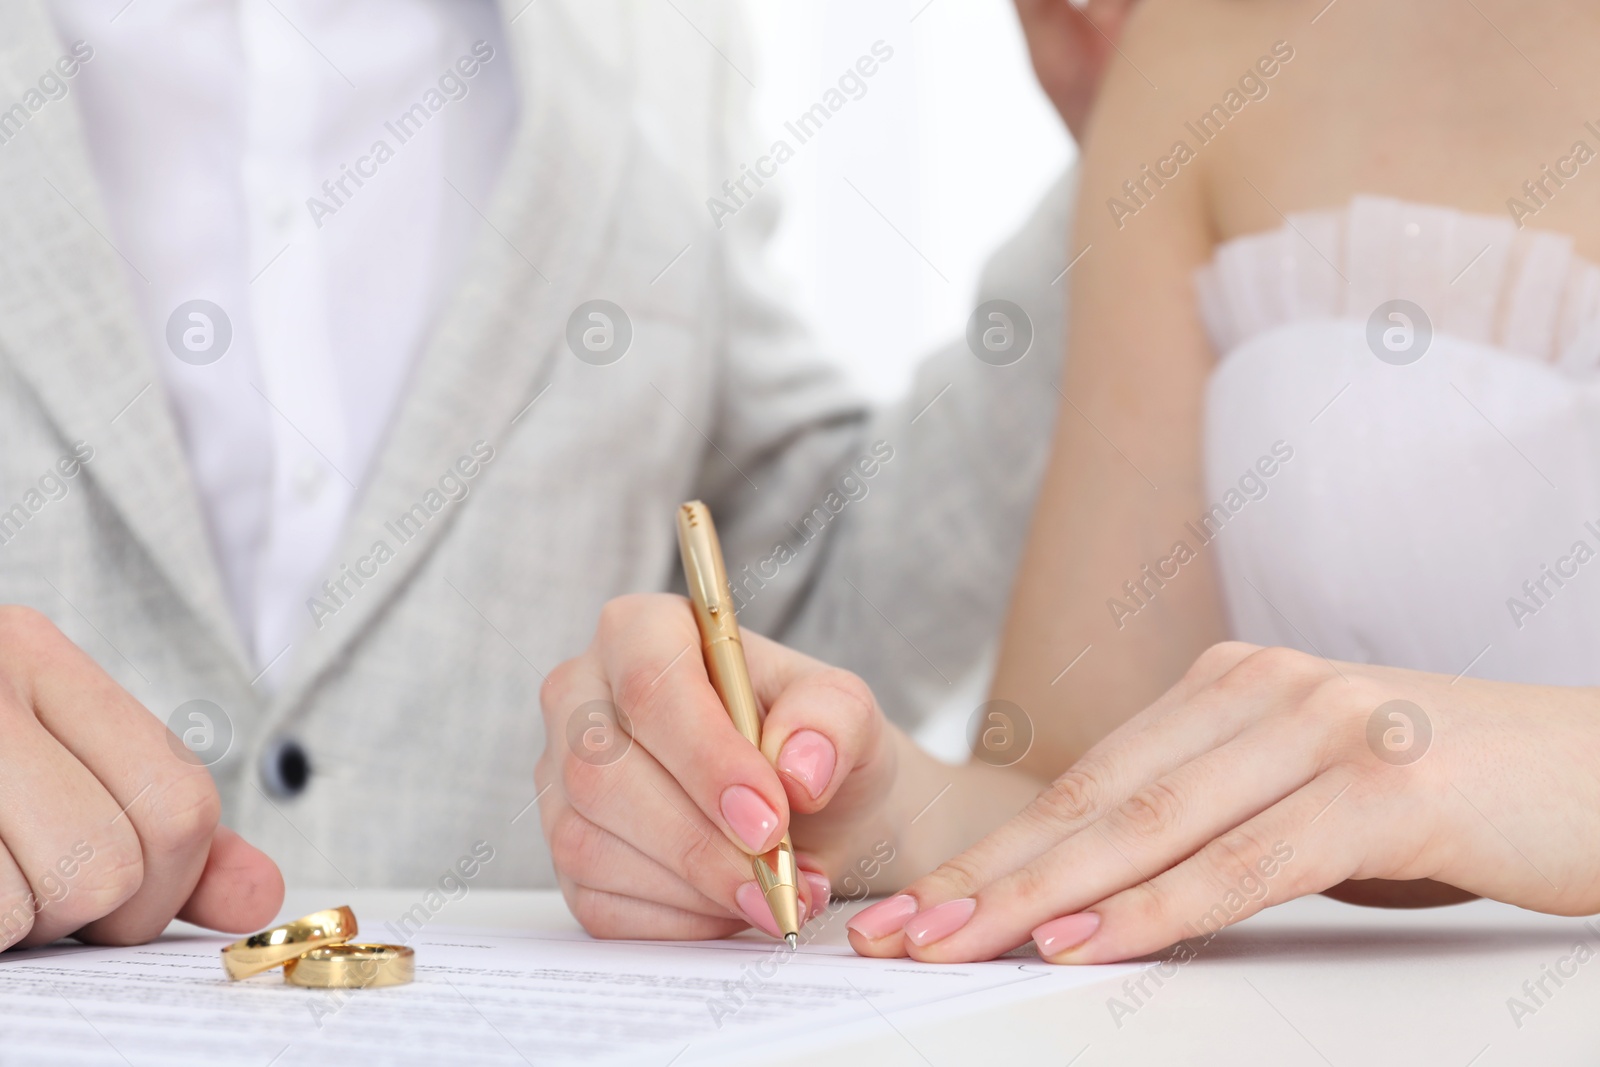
(652, 832)
(1265, 775)
(652, 828)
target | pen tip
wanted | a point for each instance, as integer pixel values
(791, 939)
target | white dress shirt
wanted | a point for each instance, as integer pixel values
(312, 169)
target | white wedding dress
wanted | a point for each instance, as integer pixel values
(1441, 514)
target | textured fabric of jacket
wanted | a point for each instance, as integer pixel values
(416, 700)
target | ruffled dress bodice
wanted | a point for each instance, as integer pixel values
(1434, 377)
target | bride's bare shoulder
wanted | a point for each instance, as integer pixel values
(1187, 78)
(1285, 105)
(1179, 55)
(1188, 36)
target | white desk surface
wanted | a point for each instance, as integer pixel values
(1310, 982)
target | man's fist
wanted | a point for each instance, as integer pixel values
(106, 831)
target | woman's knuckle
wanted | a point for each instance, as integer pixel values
(700, 853)
(858, 696)
(1144, 906)
(1235, 856)
(1335, 714)
(557, 687)
(1153, 810)
(18, 622)
(621, 615)
(636, 688)
(16, 707)
(1029, 886)
(586, 784)
(1280, 660)
(616, 615)
(1351, 699)
(27, 635)
(1071, 797)
(1219, 657)
(957, 877)
(1274, 666)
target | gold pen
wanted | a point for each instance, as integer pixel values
(712, 597)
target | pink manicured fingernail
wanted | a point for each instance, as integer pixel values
(1069, 931)
(936, 924)
(751, 817)
(821, 891)
(808, 758)
(754, 906)
(885, 917)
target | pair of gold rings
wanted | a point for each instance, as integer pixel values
(319, 951)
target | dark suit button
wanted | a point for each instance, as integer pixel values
(286, 769)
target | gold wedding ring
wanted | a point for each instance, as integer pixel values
(352, 967)
(316, 952)
(278, 946)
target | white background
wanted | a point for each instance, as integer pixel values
(952, 146)
(954, 142)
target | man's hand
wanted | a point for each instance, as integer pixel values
(106, 832)
(1071, 44)
(653, 803)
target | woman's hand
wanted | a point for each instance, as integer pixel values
(653, 803)
(1266, 775)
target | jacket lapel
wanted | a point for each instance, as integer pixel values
(491, 349)
(69, 326)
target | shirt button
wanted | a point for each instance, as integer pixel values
(286, 769)
(309, 477)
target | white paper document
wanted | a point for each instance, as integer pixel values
(489, 997)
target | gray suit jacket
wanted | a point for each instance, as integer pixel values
(417, 699)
